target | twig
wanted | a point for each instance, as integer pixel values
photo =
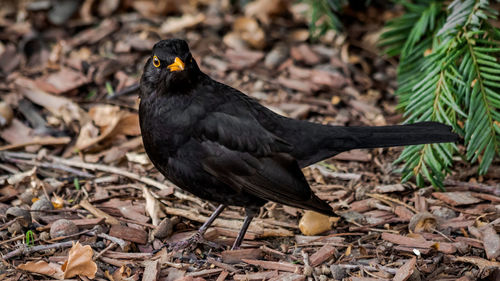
(469, 186)
(24, 250)
(112, 245)
(112, 170)
(98, 213)
(121, 242)
(37, 141)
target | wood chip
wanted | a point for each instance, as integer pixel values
(389, 188)
(322, 255)
(98, 213)
(404, 272)
(129, 233)
(289, 277)
(236, 256)
(491, 242)
(263, 275)
(151, 270)
(444, 247)
(273, 265)
(456, 198)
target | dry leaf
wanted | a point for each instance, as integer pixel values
(265, 9)
(176, 24)
(58, 106)
(152, 207)
(250, 31)
(42, 267)
(80, 262)
(313, 223)
(112, 122)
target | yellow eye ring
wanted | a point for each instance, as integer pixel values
(156, 61)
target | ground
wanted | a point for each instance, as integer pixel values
(73, 167)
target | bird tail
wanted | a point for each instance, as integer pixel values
(399, 135)
(332, 140)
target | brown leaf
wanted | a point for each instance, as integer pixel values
(176, 24)
(265, 9)
(62, 81)
(249, 30)
(58, 106)
(80, 262)
(42, 267)
(112, 122)
(153, 208)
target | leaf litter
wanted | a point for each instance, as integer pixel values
(70, 137)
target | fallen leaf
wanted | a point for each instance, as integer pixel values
(80, 262)
(313, 223)
(112, 122)
(249, 30)
(42, 267)
(62, 81)
(57, 105)
(265, 9)
(176, 24)
(152, 207)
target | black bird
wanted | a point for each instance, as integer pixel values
(223, 146)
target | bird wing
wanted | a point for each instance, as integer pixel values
(250, 159)
(241, 133)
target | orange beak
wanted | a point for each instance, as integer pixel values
(178, 65)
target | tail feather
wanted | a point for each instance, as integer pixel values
(332, 140)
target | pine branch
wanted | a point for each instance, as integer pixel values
(448, 73)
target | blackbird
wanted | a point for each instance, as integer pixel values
(223, 146)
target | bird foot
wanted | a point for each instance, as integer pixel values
(191, 243)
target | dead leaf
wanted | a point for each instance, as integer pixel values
(265, 9)
(58, 106)
(42, 267)
(313, 223)
(249, 30)
(152, 207)
(176, 24)
(112, 122)
(80, 262)
(62, 81)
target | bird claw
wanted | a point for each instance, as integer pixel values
(190, 243)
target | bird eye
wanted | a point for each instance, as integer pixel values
(156, 61)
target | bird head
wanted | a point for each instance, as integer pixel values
(170, 68)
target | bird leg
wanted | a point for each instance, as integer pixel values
(198, 236)
(250, 214)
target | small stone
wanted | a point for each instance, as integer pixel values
(338, 273)
(323, 278)
(42, 204)
(44, 236)
(15, 228)
(62, 228)
(308, 270)
(444, 213)
(276, 56)
(14, 212)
